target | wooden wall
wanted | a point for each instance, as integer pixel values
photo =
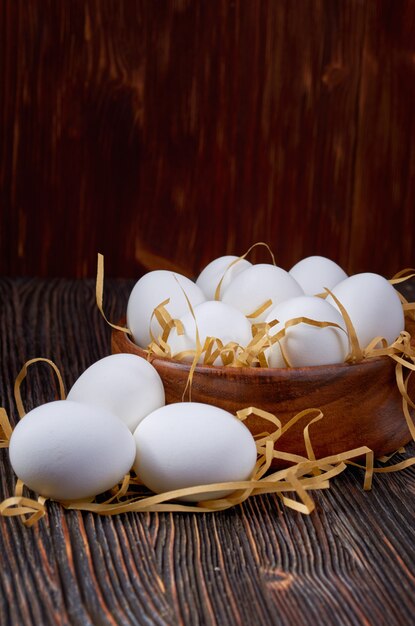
(164, 133)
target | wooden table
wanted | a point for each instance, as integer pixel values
(352, 561)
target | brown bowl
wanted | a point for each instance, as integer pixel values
(361, 403)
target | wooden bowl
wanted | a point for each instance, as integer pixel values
(361, 403)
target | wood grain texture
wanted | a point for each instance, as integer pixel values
(165, 134)
(351, 562)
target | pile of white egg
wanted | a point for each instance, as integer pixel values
(231, 294)
(115, 419)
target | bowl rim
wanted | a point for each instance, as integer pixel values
(282, 372)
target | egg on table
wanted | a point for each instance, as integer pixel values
(304, 344)
(124, 384)
(151, 290)
(187, 444)
(373, 306)
(250, 289)
(315, 273)
(68, 451)
(212, 319)
(224, 269)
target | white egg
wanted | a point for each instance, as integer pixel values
(124, 384)
(373, 306)
(304, 344)
(189, 444)
(213, 319)
(66, 450)
(315, 273)
(254, 286)
(150, 291)
(226, 268)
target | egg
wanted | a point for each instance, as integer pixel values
(188, 444)
(250, 289)
(315, 273)
(304, 344)
(124, 384)
(67, 451)
(373, 306)
(226, 268)
(151, 290)
(213, 319)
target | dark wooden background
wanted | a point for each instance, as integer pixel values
(165, 133)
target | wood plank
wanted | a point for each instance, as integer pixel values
(383, 207)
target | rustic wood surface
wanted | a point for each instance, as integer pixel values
(175, 131)
(351, 562)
